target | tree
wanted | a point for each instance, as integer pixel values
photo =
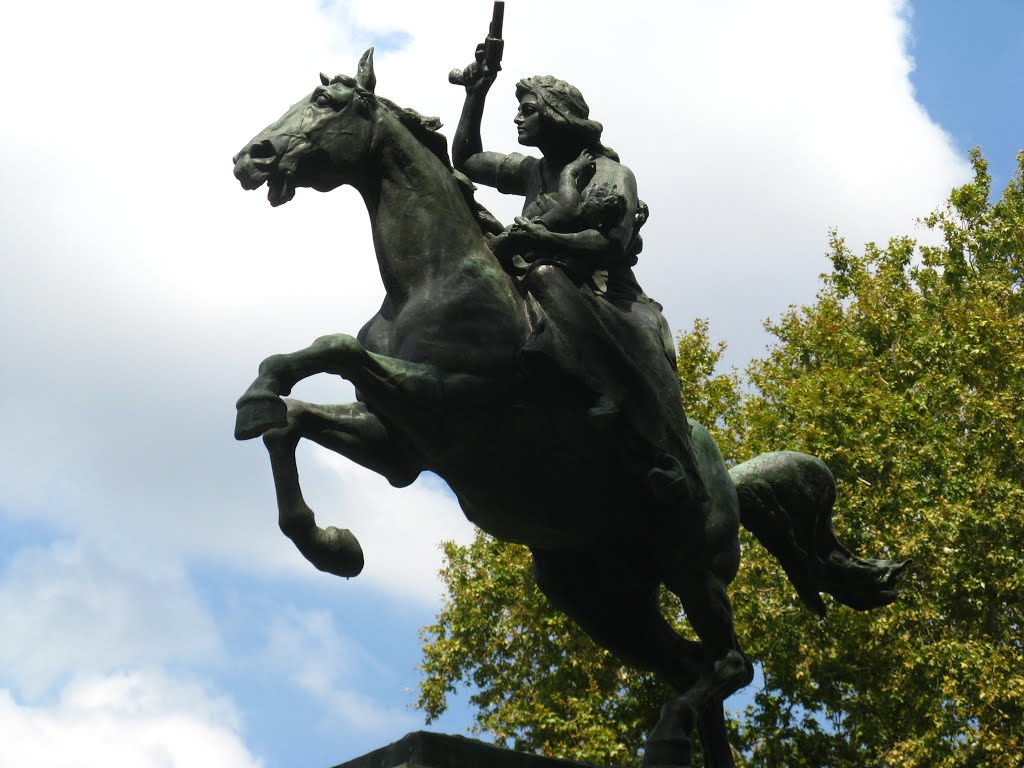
(907, 377)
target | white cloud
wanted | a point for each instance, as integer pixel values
(70, 611)
(140, 719)
(362, 713)
(331, 668)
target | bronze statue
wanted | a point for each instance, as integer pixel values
(526, 367)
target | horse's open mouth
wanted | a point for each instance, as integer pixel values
(279, 190)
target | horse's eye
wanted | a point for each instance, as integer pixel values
(323, 100)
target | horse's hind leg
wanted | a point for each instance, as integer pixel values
(619, 615)
(724, 667)
(622, 615)
(707, 607)
(352, 431)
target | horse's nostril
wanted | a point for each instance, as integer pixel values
(263, 148)
(234, 160)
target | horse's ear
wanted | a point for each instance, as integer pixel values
(365, 76)
(324, 79)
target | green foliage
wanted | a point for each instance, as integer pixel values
(711, 398)
(907, 377)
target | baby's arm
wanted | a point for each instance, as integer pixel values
(573, 179)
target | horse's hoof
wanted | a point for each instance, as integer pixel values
(258, 414)
(336, 551)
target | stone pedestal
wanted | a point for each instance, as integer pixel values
(422, 749)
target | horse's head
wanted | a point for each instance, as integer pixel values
(321, 142)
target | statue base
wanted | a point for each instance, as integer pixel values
(422, 749)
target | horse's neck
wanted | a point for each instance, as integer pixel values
(422, 227)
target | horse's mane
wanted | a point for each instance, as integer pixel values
(426, 130)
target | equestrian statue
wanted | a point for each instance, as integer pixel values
(526, 367)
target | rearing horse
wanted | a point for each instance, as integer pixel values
(441, 387)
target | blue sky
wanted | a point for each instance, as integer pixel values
(153, 614)
(968, 62)
(969, 57)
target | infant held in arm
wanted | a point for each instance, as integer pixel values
(581, 205)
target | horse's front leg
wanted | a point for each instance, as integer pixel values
(415, 395)
(353, 432)
(260, 408)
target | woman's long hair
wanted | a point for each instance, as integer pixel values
(563, 108)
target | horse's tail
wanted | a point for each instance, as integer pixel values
(786, 501)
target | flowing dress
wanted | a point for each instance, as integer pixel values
(596, 326)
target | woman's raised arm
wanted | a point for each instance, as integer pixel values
(468, 153)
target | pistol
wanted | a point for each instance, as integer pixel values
(492, 48)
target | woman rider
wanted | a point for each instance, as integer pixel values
(598, 326)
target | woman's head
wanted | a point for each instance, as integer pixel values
(561, 112)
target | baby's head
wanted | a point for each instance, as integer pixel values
(602, 207)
